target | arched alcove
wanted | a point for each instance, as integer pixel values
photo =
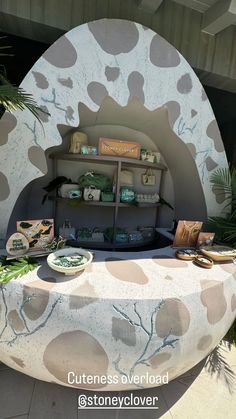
(182, 186)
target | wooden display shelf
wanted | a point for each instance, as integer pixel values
(105, 204)
(118, 163)
(107, 160)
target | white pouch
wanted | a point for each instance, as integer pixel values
(92, 194)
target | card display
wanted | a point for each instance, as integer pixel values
(205, 239)
(38, 232)
(187, 233)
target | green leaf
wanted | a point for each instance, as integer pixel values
(224, 183)
(3, 47)
(13, 97)
(224, 228)
(13, 269)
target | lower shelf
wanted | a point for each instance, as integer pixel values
(77, 204)
(108, 245)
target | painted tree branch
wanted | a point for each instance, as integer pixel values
(144, 357)
(28, 332)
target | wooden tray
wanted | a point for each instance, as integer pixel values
(219, 253)
(186, 254)
(204, 262)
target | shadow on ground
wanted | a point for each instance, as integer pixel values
(23, 397)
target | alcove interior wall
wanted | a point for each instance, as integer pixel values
(181, 183)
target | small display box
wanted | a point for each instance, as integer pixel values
(108, 196)
(89, 150)
(119, 148)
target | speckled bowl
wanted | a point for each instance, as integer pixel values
(67, 252)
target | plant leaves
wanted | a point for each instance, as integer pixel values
(16, 268)
(13, 97)
(224, 182)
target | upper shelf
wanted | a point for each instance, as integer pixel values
(107, 159)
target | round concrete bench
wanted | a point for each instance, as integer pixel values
(130, 320)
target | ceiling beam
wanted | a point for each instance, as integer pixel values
(150, 6)
(219, 16)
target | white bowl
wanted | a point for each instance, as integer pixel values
(67, 252)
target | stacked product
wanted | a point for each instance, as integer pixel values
(87, 234)
(79, 144)
(147, 198)
(93, 184)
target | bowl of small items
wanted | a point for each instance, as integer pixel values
(69, 260)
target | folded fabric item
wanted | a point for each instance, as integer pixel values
(98, 180)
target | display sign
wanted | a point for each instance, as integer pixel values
(187, 233)
(205, 239)
(119, 148)
(17, 245)
(38, 232)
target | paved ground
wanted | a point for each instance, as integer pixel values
(208, 391)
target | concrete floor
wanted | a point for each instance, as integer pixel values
(208, 391)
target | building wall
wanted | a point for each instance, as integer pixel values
(213, 56)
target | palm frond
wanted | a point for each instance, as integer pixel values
(233, 215)
(13, 97)
(222, 178)
(224, 184)
(233, 185)
(5, 47)
(224, 228)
